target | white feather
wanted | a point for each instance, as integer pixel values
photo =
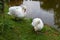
(17, 11)
(37, 24)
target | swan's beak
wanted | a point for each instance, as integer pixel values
(9, 13)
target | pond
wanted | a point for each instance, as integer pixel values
(48, 11)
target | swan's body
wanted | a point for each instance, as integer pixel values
(17, 11)
(37, 24)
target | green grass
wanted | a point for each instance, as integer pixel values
(22, 30)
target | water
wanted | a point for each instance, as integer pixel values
(27, 0)
(46, 13)
(34, 10)
(55, 5)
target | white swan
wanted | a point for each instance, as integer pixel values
(17, 11)
(37, 23)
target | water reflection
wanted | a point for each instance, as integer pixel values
(53, 4)
(34, 10)
(47, 10)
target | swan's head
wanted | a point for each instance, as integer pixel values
(36, 21)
